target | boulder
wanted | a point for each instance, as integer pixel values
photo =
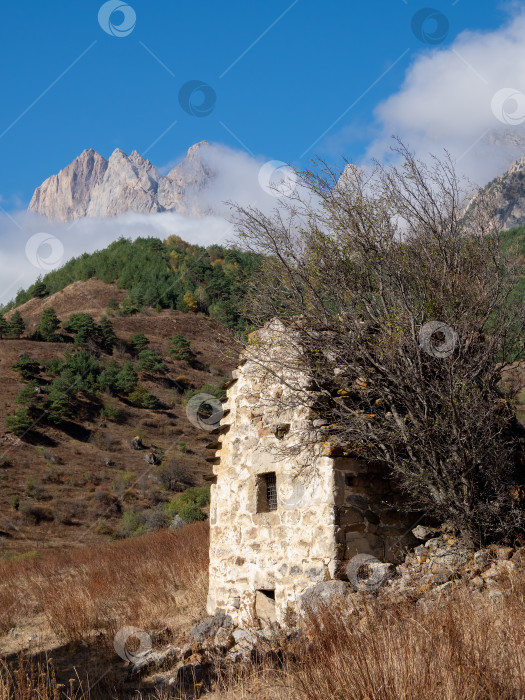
(136, 443)
(323, 593)
(208, 628)
(424, 533)
(177, 523)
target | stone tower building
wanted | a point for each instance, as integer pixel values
(288, 510)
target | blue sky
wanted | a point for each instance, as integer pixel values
(92, 89)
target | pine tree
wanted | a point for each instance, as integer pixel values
(58, 405)
(108, 339)
(108, 378)
(39, 289)
(139, 342)
(20, 422)
(49, 323)
(180, 348)
(16, 325)
(27, 367)
(4, 326)
(126, 379)
(83, 328)
(151, 362)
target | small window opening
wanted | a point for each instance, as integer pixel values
(267, 493)
(349, 479)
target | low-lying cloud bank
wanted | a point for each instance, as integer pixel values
(468, 98)
(31, 245)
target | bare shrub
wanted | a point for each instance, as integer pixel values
(401, 309)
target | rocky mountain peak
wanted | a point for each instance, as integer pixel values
(95, 187)
(508, 191)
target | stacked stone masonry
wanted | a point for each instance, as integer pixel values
(328, 509)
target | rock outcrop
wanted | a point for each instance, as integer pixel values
(508, 192)
(92, 186)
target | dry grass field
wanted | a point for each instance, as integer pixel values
(461, 646)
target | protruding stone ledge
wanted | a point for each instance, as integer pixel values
(220, 429)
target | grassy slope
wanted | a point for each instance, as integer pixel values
(69, 467)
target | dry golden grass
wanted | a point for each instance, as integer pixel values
(140, 582)
(461, 647)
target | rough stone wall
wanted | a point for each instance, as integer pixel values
(328, 508)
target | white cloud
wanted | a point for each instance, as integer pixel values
(24, 255)
(445, 102)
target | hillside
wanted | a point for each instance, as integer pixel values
(71, 483)
(170, 274)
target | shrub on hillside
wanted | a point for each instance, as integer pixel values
(138, 342)
(48, 326)
(141, 398)
(188, 505)
(20, 422)
(180, 348)
(151, 362)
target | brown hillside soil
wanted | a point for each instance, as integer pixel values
(59, 474)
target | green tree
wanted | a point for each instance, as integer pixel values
(180, 348)
(151, 362)
(49, 324)
(20, 422)
(4, 326)
(16, 325)
(139, 342)
(58, 405)
(108, 339)
(39, 289)
(83, 328)
(127, 379)
(108, 378)
(143, 399)
(29, 395)
(27, 367)
(112, 306)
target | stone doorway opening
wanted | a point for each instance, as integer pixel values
(265, 606)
